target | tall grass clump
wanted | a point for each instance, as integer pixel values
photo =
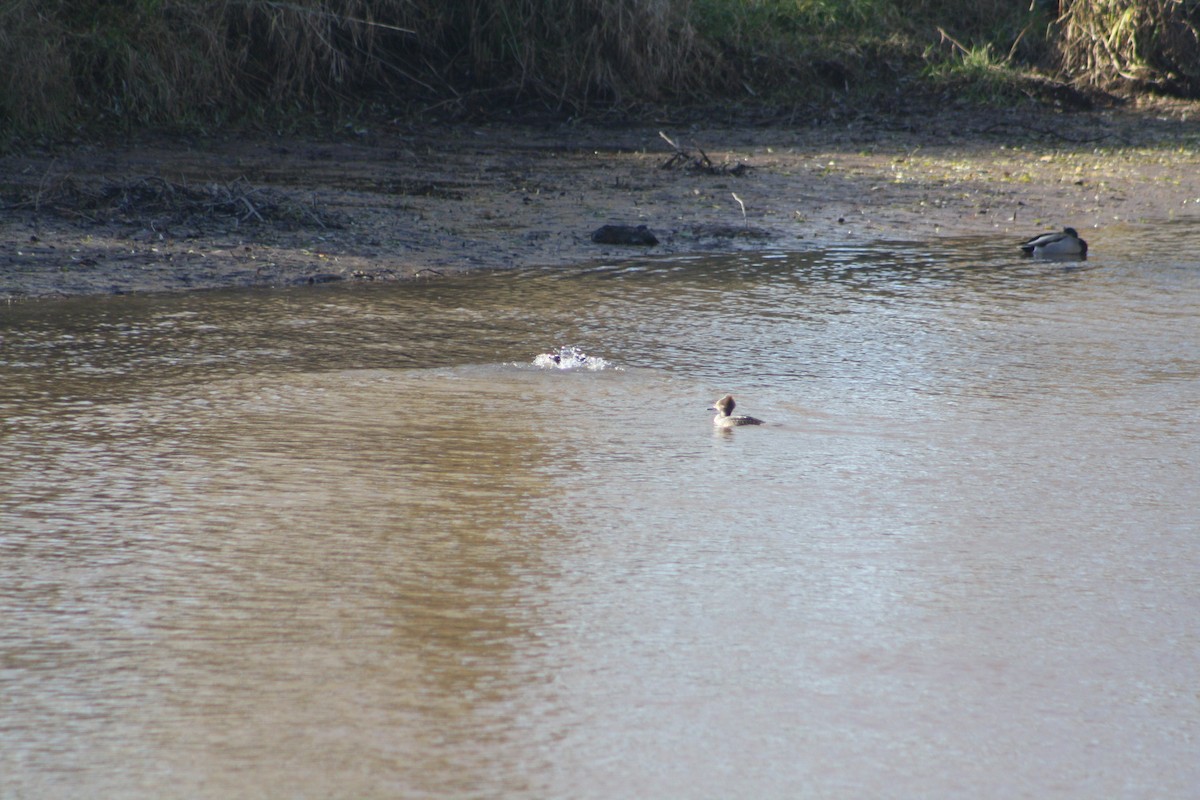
(181, 62)
(163, 62)
(570, 53)
(862, 48)
(200, 63)
(1138, 44)
(976, 74)
(35, 81)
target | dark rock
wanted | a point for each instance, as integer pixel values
(624, 234)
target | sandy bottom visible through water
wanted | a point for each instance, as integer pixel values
(391, 203)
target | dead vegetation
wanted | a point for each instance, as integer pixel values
(1140, 44)
(198, 65)
(698, 161)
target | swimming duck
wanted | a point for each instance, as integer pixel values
(1049, 245)
(725, 417)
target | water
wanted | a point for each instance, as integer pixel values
(359, 541)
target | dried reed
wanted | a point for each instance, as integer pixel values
(199, 63)
(1138, 44)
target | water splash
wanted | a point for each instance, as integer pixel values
(570, 358)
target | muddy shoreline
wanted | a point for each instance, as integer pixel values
(394, 202)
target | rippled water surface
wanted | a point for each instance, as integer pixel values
(354, 542)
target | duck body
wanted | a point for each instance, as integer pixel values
(1056, 245)
(725, 417)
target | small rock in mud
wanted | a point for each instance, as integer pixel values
(321, 277)
(624, 234)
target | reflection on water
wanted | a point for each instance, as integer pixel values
(359, 542)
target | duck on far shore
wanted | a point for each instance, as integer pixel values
(725, 417)
(1056, 245)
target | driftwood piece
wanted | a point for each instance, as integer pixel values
(699, 162)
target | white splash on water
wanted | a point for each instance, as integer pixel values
(571, 358)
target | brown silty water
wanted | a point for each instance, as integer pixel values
(364, 542)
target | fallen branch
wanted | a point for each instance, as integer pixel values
(698, 163)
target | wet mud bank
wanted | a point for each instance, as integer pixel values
(397, 203)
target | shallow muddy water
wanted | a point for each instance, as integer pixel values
(354, 542)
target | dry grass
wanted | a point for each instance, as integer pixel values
(35, 82)
(196, 62)
(186, 62)
(199, 63)
(572, 53)
(1139, 44)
